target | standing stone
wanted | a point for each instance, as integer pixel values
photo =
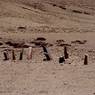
(21, 54)
(30, 53)
(13, 55)
(86, 60)
(66, 53)
(6, 55)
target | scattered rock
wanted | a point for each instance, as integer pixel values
(41, 39)
(62, 43)
(21, 28)
(17, 44)
(59, 41)
(54, 5)
(77, 11)
(9, 43)
(1, 43)
(38, 5)
(62, 7)
(40, 43)
(79, 42)
(87, 13)
(50, 45)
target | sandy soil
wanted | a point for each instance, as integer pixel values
(23, 22)
(36, 77)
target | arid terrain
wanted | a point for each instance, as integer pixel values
(60, 23)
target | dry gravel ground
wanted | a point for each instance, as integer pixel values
(71, 22)
(36, 77)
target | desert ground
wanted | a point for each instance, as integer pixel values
(61, 23)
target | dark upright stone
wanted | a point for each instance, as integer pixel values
(5, 55)
(13, 55)
(21, 55)
(65, 53)
(86, 60)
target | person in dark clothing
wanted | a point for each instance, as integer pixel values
(44, 49)
(61, 59)
(46, 54)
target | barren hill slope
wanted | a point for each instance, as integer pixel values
(77, 14)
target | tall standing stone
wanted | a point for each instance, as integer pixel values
(66, 53)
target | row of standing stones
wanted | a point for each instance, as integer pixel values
(47, 56)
